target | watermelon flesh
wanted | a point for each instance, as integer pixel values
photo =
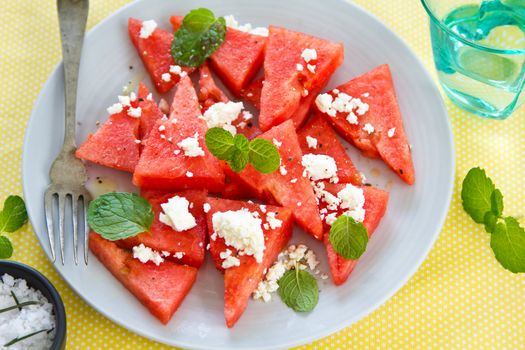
(290, 190)
(376, 89)
(328, 144)
(241, 281)
(284, 84)
(162, 237)
(150, 112)
(252, 93)
(155, 53)
(375, 206)
(238, 59)
(160, 167)
(114, 144)
(161, 288)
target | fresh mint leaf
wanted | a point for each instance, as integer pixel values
(508, 243)
(241, 143)
(6, 249)
(496, 202)
(220, 143)
(199, 36)
(348, 237)
(298, 290)
(490, 221)
(14, 215)
(264, 156)
(120, 215)
(238, 161)
(476, 194)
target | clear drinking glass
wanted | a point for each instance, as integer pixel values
(479, 53)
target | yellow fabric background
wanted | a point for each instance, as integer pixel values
(460, 297)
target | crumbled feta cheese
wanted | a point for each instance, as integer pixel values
(149, 97)
(273, 221)
(177, 152)
(311, 68)
(343, 103)
(232, 22)
(330, 218)
(115, 108)
(363, 177)
(240, 230)
(183, 74)
(165, 253)
(135, 112)
(138, 141)
(247, 115)
(191, 147)
(294, 180)
(175, 69)
(324, 103)
(277, 143)
(282, 170)
(222, 115)
(179, 255)
(335, 91)
(299, 204)
(309, 55)
(391, 132)
(162, 127)
(304, 93)
(263, 208)
(366, 94)
(352, 118)
(206, 207)
(189, 174)
(148, 27)
(145, 254)
(369, 128)
(125, 101)
(353, 199)
(299, 67)
(241, 125)
(319, 166)
(166, 77)
(311, 141)
(176, 214)
(162, 136)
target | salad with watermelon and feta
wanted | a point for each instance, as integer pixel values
(214, 177)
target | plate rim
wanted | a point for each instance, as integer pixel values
(408, 274)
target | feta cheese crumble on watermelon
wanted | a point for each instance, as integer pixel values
(242, 276)
(365, 112)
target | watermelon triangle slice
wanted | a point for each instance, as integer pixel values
(285, 84)
(159, 288)
(241, 281)
(238, 59)
(326, 142)
(155, 53)
(163, 238)
(375, 206)
(115, 143)
(150, 111)
(287, 186)
(163, 164)
(376, 89)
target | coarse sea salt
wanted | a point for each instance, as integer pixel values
(32, 318)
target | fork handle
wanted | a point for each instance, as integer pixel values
(72, 17)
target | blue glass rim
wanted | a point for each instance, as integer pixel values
(466, 41)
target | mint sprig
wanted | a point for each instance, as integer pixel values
(238, 151)
(12, 217)
(298, 290)
(348, 237)
(198, 37)
(484, 203)
(120, 215)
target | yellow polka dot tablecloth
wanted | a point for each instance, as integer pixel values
(460, 298)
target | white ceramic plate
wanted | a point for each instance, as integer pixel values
(413, 220)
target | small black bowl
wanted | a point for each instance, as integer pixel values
(37, 281)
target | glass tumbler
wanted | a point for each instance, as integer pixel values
(479, 53)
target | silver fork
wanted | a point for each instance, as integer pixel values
(68, 174)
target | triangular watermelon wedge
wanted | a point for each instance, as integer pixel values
(376, 89)
(375, 206)
(328, 144)
(241, 281)
(287, 186)
(163, 164)
(285, 84)
(191, 243)
(155, 53)
(238, 59)
(150, 111)
(159, 288)
(115, 144)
